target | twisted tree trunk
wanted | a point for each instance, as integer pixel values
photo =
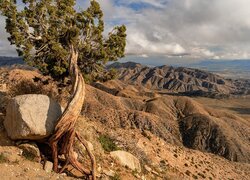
(65, 134)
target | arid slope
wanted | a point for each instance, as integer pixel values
(175, 136)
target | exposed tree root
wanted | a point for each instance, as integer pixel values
(64, 135)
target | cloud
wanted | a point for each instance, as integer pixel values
(5, 48)
(214, 29)
(202, 29)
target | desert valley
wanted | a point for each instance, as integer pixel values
(148, 123)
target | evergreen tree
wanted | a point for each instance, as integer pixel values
(43, 31)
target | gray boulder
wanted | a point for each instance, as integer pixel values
(126, 159)
(31, 116)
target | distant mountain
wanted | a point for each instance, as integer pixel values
(9, 61)
(224, 64)
(178, 79)
(227, 68)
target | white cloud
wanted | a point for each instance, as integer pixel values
(217, 28)
(203, 29)
(5, 48)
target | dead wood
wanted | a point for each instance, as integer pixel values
(65, 134)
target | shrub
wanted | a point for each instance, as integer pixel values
(28, 155)
(202, 175)
(107, 143)
(195, 177)
(116, 177)
(188, 172)
(3, 158)
(28, 86)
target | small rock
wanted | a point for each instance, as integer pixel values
(156, 173)
(31, 151)
(61, 157)
(98, 175)
(75, 155)
(127, 159)
(90, 145)
(48, 166)
(109, 173)
(99, 169)
(3, 87)
(26, 169)
(137, 176)
(148, 168)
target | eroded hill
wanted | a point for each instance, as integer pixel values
(177, 120)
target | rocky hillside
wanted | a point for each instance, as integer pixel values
(164, 137)
(177, 120)
(179, 79)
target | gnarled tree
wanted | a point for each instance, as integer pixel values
(61, 41)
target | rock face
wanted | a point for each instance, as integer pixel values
(31, 116)
(127, 159)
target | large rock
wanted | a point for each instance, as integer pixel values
(127, 159)
(31, 116)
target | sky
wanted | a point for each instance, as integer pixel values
(175, 29)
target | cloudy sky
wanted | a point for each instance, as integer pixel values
(184, 29)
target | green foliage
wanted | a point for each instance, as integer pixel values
(107, 143)
(116, 177)
(3, 158)
(102, 76)
(44, 30)
(29, 156)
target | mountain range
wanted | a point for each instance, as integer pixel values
(182, 80)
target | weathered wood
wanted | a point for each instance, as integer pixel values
(64, 135)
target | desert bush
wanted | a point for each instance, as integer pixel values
(195, 177)
(29, 156)
(3, 158)
(28, 86)
(188, 172)
(107, 143)
(116, 177)
(202, 175)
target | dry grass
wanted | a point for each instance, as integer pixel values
(30, 87)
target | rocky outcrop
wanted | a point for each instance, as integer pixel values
(127, 159)
(31, 116)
